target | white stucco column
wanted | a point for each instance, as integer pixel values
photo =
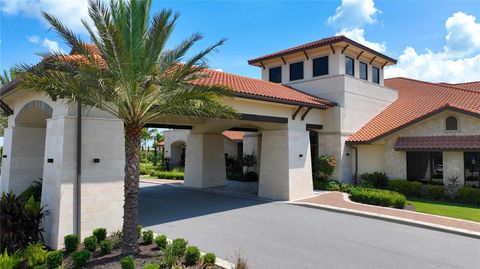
(101, 183)
(453, 166)
(252, 144)
(286, 171)
(22, 162)
(205, 161)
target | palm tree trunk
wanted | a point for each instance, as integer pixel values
(131, 188)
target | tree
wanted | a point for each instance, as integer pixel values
(128, 72)
(147, 135)
(5, 78)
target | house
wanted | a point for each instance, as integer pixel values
(326, 97)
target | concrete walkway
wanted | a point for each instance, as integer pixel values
(340, 201)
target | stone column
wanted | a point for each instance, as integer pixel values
(23, 154)
(453, 166)
(252, 143)
(286, 172)
(101, 182)
(205, 161)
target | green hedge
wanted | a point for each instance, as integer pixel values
(378, 197)
(470, 195)
(408, 188)
(168, 175)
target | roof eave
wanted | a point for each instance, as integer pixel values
(281, 101)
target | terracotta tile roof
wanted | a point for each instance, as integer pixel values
(417, 100)
(235, 136)
(263, 90)
(473, 86)
(448, 142)
(316, 44)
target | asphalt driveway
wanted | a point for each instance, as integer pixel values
(279, 235)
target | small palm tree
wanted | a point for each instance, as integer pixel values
(129, 73)
(7, 76)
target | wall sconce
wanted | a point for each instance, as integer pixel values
(4, 156)
(300, 155)
(96, 160)
(50, 160)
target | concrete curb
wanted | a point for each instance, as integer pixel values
(393, 219)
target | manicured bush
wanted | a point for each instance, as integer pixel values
(105, 246)
(169, 175)
(209, 259)
(100, 234)
(147, 237)
(405, 187)
(169, 257)
(179, 247)
(127, 262)
(333, 185)
(378, 197)
(468, 194)
(54, 259)
(9, 261)
(319, 184)
(161, 241)
(139, 230)
(90, 243)
(151, 266)
(192, 255)
(434, 192)
(35, 254)
(377, 179)
(80, 258)
(71, 242)
(42, 266)
(326, 166)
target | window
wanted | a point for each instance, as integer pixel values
(375, 75)
(349, 66)
(363, 71)
(472, 167)
(451, 123)
(424, 166)
(296, 71)
(320, 66)
(275, 74)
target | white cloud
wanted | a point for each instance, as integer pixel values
(459, 61)
(354, 13)
(33, 39)
(358, 35)
(70, 12)
(51, 45)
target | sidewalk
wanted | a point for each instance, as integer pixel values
(340, 202)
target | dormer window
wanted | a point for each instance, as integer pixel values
(320, 66)
(451, 123)
(275, 74)
(375, 75)
(349, 66)
(296, 71)
(363, 71)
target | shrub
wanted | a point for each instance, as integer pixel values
(90, 243)
(377, 179)
(179, 247)
(192, 255)
(42, 266)
(209, 259)
(333, 185)
(127, 262)
(105, 246)
(467, 194)
(169, 175)
(405, 187)
(378, 197)
(151, 266)
(71, 242)
(147, 237)
(54, 259)
(100, 234)
(251, 176)
(161, 241)
(34, 189)
(240, 262)
(35, 254)
(117, 238)
(9, 261)
(169, 257)
(319, 184)
(434, 192)
(326, 166)
(139, 230)
(80, 258)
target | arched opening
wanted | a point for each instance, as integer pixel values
(451, 123)
(177, 154)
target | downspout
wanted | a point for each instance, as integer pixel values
(79, 168)
(356, 165)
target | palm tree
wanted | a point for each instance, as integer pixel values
(147, 135)
(129, 73)
(5, 78)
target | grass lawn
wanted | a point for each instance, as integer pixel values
(446, 209)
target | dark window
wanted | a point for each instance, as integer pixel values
(349, 66)
(451, 123)
(375, 75)
(275, 74)
(363, 71)
(320, 66)
(472, 167)
(424, 166)
(296, 71)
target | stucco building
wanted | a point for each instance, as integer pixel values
(326, 97)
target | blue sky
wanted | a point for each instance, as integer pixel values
(433, 40)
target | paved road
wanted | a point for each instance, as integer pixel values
(279, 235)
